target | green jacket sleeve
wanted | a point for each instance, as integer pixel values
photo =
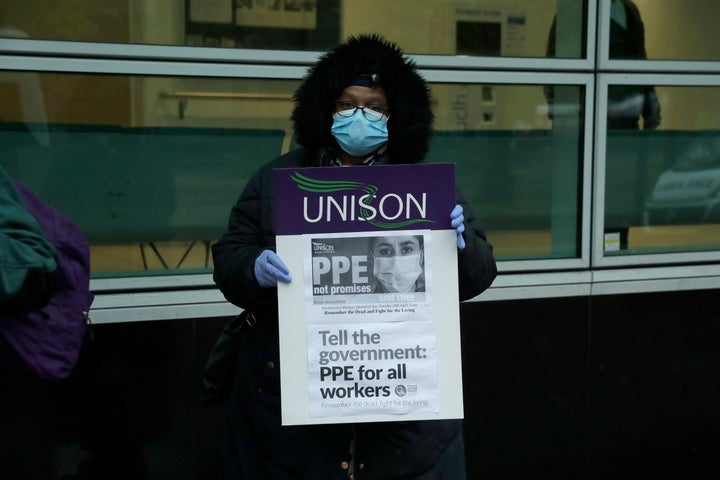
(24, 250)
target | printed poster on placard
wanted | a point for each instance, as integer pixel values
(369, 326)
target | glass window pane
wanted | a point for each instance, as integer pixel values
(148, 166)
(664, 29)
(662, 190)
(510, 28)
(566, 36)
(519, 168)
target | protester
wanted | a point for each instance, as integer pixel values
(363, 103)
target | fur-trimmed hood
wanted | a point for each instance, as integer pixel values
(411, 119)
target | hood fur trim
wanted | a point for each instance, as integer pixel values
(411, 118)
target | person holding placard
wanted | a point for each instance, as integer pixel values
(362, 103)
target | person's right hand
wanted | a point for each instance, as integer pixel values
(269, 269)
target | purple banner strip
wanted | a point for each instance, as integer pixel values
(361, 199)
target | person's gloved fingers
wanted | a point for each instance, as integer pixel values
(265, 280)
(457, 221)
(260, 270)
(456, 217)
(269, 268)
(273, 275)
(277, 267)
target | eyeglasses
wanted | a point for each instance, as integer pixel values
(373, 113)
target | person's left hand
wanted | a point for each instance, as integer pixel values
(457, 221)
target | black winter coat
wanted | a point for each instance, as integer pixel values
(259, 447)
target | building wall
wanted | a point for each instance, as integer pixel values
(613, 386)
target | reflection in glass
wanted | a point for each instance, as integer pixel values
(664, 30)
(147, 166)
(566, 36)
(662, 187)
(688, 192)
(519, 171)
(628, 104)
(627, 31)
(515, 28)
(656, 29)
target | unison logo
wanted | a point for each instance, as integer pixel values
(366, 205)
(322, 247)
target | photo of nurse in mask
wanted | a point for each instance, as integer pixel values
(398, 263)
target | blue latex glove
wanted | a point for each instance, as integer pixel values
(457, 221)
(269, 269)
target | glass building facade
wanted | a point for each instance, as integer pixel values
(584, 133)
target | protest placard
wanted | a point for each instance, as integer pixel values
(369, 326)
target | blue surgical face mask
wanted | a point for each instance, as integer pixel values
(357, 135)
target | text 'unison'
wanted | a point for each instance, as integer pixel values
(364, 208)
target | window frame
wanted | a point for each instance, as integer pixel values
(591, 273)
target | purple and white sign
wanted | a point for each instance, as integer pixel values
(361, 199)
(374, 294)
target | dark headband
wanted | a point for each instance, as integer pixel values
(370, 81)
